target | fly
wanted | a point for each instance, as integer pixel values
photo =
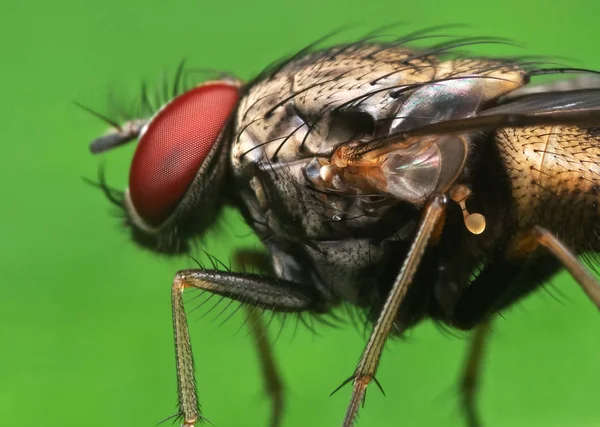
(378, 175)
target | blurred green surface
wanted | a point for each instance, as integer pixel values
(85, 321)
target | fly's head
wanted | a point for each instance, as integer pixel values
(179, 166)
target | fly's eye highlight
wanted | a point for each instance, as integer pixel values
(174, 145)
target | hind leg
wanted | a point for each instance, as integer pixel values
(472, 373)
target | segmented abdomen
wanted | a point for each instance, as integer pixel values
(555, 177)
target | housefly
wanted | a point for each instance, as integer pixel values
(411, 183)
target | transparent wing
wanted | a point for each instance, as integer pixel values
(578, 83)
(577, 108)
(451, 98)
(436, 102)
(551, 103)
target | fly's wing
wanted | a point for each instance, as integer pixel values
(413, 164)
(576, 108)
(566, 85)
(585, 102)
(446, 99)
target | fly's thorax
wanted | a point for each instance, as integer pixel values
(288, 120)
(555, 178)
(290, 123)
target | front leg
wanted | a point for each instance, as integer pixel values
(428, 231)
(252, 289)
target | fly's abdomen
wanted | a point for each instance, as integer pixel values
(555, 178)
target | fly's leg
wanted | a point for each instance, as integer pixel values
(365, 371)
(472, 373)
(587, 282)
(498, 285)
(272, 378)
(252, 289)
(189, 408)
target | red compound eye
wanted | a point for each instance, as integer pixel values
(175, 144)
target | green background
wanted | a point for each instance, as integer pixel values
(85, 321)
